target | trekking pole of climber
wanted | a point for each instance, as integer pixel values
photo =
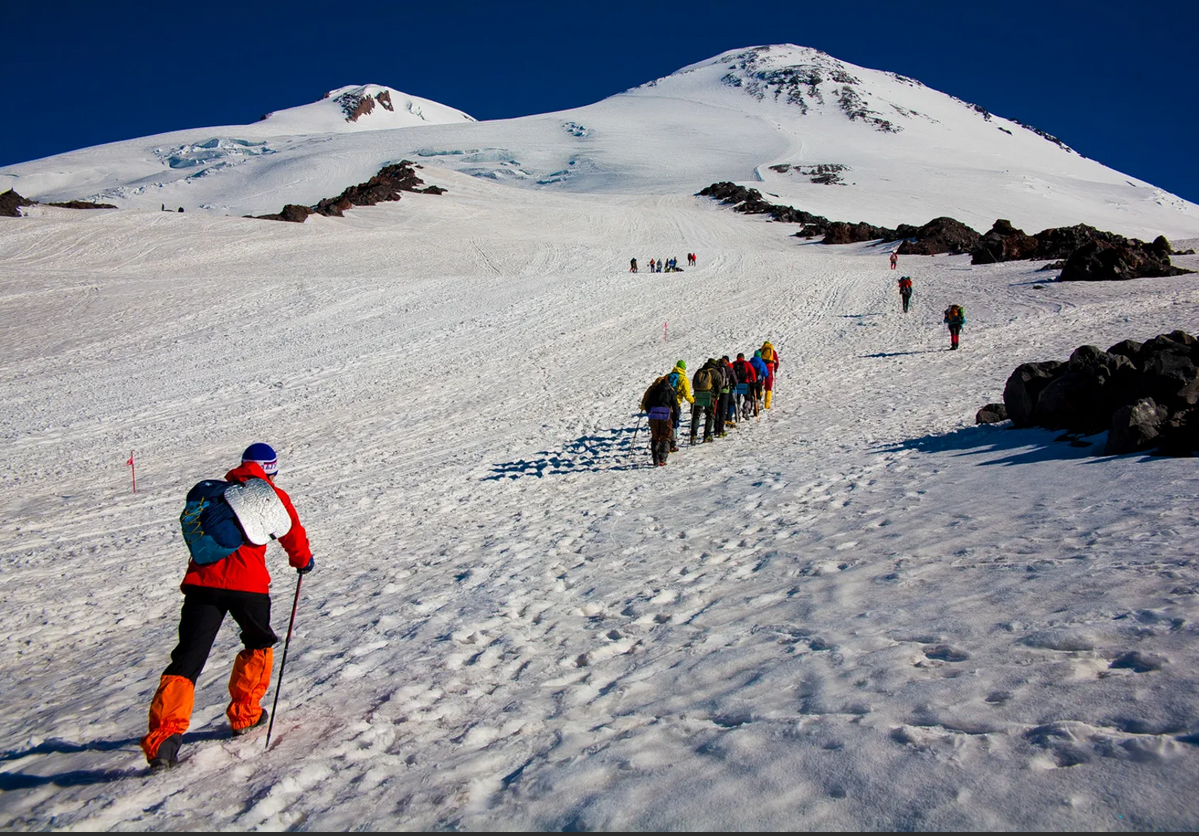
(633, 443)
(279, 682)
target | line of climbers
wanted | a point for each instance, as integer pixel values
(667, 265)
(721, 393)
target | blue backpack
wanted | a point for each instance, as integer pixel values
(673, 377)
(210, 527)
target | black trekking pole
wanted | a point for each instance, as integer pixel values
(279, 682)
(633, 443)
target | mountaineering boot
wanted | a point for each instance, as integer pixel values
(170, 715)
(168, 753)
(261, 721)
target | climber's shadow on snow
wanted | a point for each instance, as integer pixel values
(600, 452)
(83, 777)
(1004, 445)
(883, 354)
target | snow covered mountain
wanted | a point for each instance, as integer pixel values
(368, 107)
(859, 611)
(826, 136)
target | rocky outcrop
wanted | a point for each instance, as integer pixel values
(1024, 388)
(1146, 395)
(81, 204)
(292, 213)
(840, 232)
(940, 235)
(1083, 253)
(385, 186)
(1135, 427)
(749, 201)
(992, 413)
(1087, 253)
(358, 103)
(1101, 261)
(1003, 242)
(11, 203)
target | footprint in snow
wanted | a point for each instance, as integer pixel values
(945, 653)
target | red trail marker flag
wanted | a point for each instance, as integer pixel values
(132, 471)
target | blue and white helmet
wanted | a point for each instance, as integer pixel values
(263, 455)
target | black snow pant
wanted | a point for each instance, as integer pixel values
(722, 412)
(954, 332)
(204, 609)
(706, 411)
(755, 399)
(907, 299)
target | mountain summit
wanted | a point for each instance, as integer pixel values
(365, 107)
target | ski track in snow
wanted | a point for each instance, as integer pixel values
(860, 612)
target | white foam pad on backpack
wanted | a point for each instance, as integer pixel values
(259, 510)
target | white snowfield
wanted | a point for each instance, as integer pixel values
(763, 116)
(860, 612)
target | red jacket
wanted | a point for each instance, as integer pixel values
(745, 371)
(245, 569)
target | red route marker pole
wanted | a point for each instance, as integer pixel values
(132, 471)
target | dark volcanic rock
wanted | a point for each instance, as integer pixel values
(384, 186)
(1127, 348)
(1003, 242)
(941, 235)
(292, 212)
(750, 202)
(11, 202)
(81, 204)
(1024, 387)
(1103, 261)
(840, 232)
(1061, 242)
(992, 413)
(1145, 394)
(1135, 427)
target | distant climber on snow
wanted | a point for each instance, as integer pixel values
(905, 291)
(633, 265)
(894, 260)
(955, 318)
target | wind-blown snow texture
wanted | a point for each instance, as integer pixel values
(861, 612)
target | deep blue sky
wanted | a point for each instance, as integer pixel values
(1117, 81)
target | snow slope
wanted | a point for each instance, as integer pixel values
(764, 116)
(861, 612)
